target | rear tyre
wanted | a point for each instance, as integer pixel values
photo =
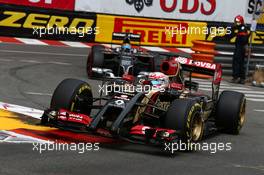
(230, 111)
(95, 59)
(184, 115)
(73, 95)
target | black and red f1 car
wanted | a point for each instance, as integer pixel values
(114, 62)
(175, 112)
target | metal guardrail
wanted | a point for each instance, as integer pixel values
(225, 56)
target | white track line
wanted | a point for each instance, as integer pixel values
(157, 49)
(254, 95)
(245, 92)
(225, 87)
(259, 110)
(30, 61)
(187, 50)
(75, 44)
(43, 53)
(37, 93)
(111, 45)
(12, 136)
(34, 113)
(31, 41)
(231, 54)
(255, 100)
(209, 82)
(59, 63)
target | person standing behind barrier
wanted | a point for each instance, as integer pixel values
(242, 35)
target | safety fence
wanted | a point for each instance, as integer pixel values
(225, 54)
(59, 21)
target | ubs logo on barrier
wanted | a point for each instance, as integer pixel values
(139, 4)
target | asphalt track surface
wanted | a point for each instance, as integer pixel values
(29, 74)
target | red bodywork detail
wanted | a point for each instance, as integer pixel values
(170, 67)
(218, 74)
(177, 86)
(66, 136)
(140, 130)
(242, 34)
(129, 78)
(67, 116)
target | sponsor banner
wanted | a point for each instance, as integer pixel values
(47, 24)
(222, 33)
(153, 32)
(53, 4)
(259, 7)
(259, 15)
(198, 10)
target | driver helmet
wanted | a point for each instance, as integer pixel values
(239, 20)
(158, 80)
(126, 44)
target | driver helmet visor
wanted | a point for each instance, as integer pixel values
(126, 46)
(155, 82)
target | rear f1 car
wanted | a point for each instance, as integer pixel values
(114, 62)
(171, 112)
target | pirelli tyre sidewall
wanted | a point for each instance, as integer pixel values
(73, 95)
(230, 112)
(95, 59)
(184, 116)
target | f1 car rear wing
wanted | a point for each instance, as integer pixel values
(201, 67)
(194, 66)
(122, 36)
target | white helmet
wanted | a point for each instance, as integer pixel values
(158, 79)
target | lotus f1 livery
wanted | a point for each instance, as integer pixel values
(166, 109)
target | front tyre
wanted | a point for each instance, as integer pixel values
(184, 115)
(230, 111)
(95, 59)
(73, 95)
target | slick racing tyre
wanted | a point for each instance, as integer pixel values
(230, 111)
(73, 95)
(95, 59)
(184, 115)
